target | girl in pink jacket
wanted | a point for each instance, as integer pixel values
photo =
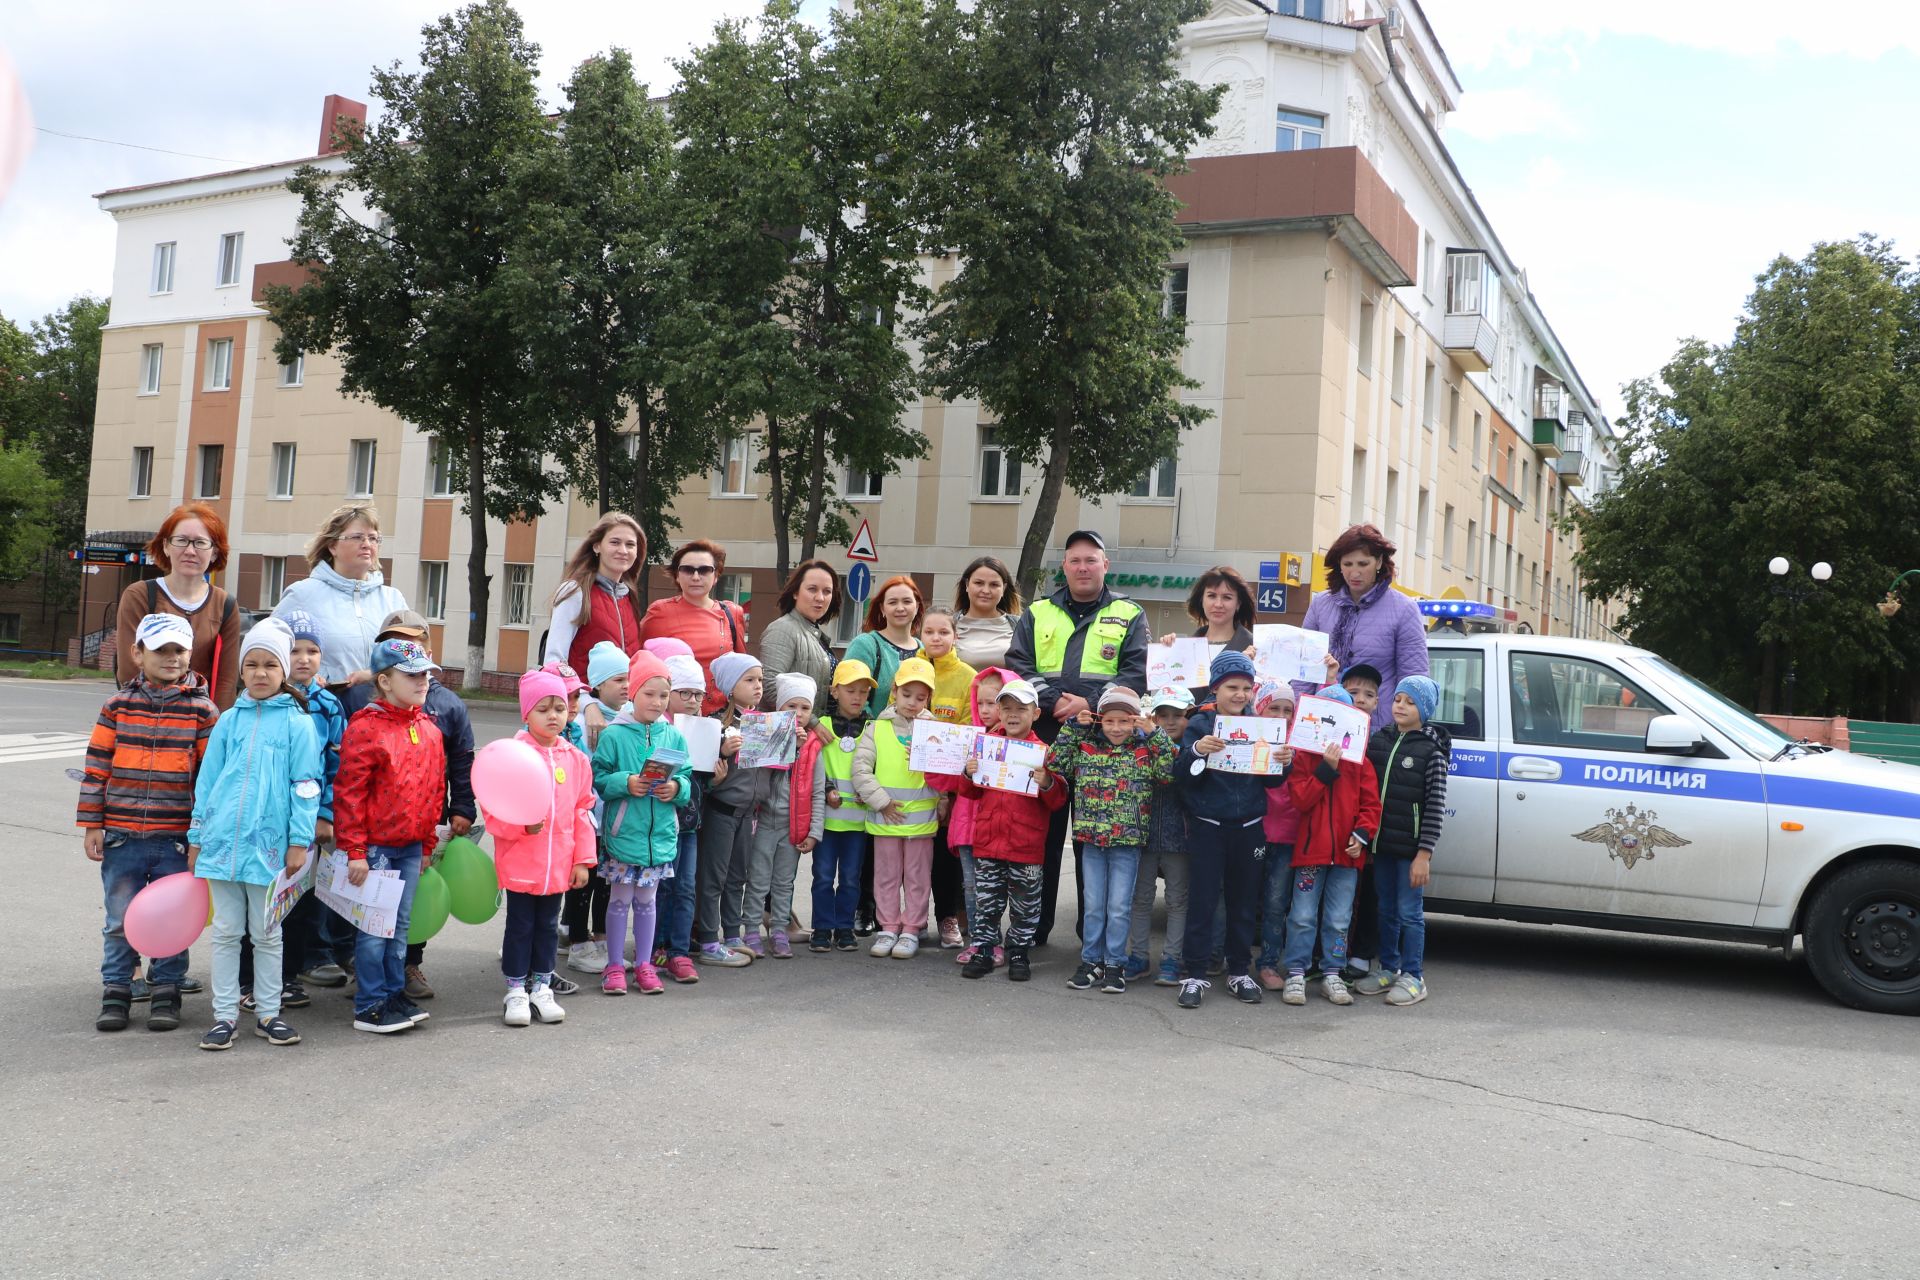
(537, 864)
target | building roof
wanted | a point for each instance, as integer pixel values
(206, 177)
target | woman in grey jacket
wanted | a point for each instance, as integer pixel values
(797, 640)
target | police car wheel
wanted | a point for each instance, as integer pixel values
(1862, 937)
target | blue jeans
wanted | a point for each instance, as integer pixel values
(836, 878)
(1403, 918)
(1323, 904)
(1106, 901)
(125, 869)
(680, 896)
(1273, 924)
(380, 964)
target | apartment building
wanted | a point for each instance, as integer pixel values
(1367, 347)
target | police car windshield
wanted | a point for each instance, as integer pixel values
(1726, 715)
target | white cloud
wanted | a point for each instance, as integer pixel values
(1487, 114)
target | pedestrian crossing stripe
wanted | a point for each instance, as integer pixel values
(20, 748)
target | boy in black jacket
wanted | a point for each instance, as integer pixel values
(1411, 759)
(1226, 836)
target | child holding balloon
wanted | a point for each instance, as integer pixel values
(254, 807)
(136, 801)
(538, 862)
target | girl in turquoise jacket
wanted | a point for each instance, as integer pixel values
(254, 806)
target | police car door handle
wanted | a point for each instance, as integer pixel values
(1532, 769)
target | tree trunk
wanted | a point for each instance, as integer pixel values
(1053, 480)
(816, 489)
(477, 579)
(642, 457)
(603, 447)
(777, 499)
(1769, 677)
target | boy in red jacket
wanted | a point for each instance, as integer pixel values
(1339, 806)
(387, 799)
(1009, 844)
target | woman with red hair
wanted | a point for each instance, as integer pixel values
(191, 543)
(1371, 624)
(890, 637)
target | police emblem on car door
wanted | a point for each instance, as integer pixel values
(1631, 835)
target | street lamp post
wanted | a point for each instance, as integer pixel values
(1891, 605)
(1794, 593)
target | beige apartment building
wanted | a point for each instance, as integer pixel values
(1367, 349)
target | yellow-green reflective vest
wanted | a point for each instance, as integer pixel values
(908, 787)
(1106, 637)
(851, 815)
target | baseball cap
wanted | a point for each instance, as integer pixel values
(1171, 696)
(1361, 671)
(1084, 535)
(406, 622)
(400, 655)
(914, 671)
(853, 671)
(1021, 691)
(157, 629)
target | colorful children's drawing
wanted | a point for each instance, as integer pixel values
(1182, 663)
(1007, 765)
(287, 888)
(1319, 721)
(371, 906)
(1282, 652)
(939, 747)
(1253, 745)
(767, 740)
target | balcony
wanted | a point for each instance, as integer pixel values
(1471, 327)
(1549, 418)
(1568, 467)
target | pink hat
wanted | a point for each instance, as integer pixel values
(567, 676)
(667, 647)
(644, 667)
(539, 684)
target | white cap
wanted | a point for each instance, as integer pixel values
(1021, 691)
(157, 629)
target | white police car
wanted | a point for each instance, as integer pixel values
(1598, 784)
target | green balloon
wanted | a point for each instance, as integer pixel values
(431, 900)
(471, 881)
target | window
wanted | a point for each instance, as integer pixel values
(1453, 417)
(861, 483)
(1298, 130)
(273, 580)
(440, 470)
(433, 589)
(1478, 421)
(736, 588)
(10, 628)
(1571, 702)
(220, 364)
(1159, 481)
(212, 458)
(519, 596)
(294, 372)
(162, 281)
(1446, 536)
(1176, 291)
(1300, 8)
(1423, 524)
(150, 356)
(1357, 511)
(1430, 409)
(361, 457)
(1399, 368)
(228, 272)
(999, 469)
(142, 483)
(283, 453)
(847, 625)
(1472, 547)
(1526, 480)
(1461, 675)
(1390, 512)
(1539, 491)
(1429, 267)
(736, 466)
(1364, 338)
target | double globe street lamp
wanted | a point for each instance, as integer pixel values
(1795, 592)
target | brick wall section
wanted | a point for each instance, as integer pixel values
(1827, 731)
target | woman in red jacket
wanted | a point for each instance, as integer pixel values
(597, 599)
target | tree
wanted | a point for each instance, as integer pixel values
(797, 151)
(420, 309)
(1057, 120)
(1797, 438)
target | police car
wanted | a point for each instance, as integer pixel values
(1598, 784)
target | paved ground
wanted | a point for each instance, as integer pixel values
(1567, 1104)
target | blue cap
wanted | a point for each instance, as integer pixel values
(407, 656)
(1231, 662)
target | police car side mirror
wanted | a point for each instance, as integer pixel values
(1674, 736)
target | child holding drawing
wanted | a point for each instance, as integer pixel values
(687, 687)
(1009, 843)
(254, 805)
(1338, 800)
(983, 701)
(726, 825)
(952, 693)
(791, 818)
(1275, 700)
(901, 811)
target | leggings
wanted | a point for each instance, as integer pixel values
(587, 910)
(639, 900)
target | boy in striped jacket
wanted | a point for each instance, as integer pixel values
(136, 802)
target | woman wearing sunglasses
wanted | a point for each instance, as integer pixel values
(709, 627)
(191, 544)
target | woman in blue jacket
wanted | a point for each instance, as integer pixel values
(254, 806)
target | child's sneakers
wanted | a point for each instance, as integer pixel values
(587, 957)
(517, 1010)
(1336, 988)
(1376, 982)
(386, 1020)
(1192, 992)
(906, 946)
(751, 944)
(1295, 990)
(562, 984)
(950, 935)
(883, 944)
(275, 1032)
(1137, 967)
(966, 954)
(681, 970)
(646, 980)
(1244, 989)
(820, 941)
(545, 1007)
(613, 980)
(1085, 978)
(844, 940)
(164, 1013)
(979, 962)
(1019, 965)
(1406, 990)
(1113, 979)
(115, 1002)
(1271, 978)
(780, 946)
(725, 957)
(220, 1037)
(1169, 975)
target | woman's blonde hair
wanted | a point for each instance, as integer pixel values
(580, 571)
(320, 550)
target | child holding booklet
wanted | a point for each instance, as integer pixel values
(792, 816)
(679, 895)
(1009, 844)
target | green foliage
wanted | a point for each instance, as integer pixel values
(422, 311)
(1055, 122)
(27, 498)
(49, 375)
(1797, 438)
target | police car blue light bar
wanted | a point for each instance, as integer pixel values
(1472, 610)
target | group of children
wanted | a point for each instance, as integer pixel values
(633, 831)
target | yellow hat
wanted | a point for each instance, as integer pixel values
(914, 671)
(853, 671)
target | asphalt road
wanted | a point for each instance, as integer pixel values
(1568, 1103)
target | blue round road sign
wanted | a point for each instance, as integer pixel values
(859, 581)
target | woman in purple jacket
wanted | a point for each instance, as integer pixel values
(1369, 621)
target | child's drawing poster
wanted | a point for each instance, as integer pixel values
(768, 740)
(1182, 663)
(1254, 745)
(1319, 721)
(1008, 765)
(939, 747)
(1286, 653)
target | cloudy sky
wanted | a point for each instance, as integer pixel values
(1642, 162)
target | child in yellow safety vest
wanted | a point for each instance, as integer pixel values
(843, 843)
(903, 813)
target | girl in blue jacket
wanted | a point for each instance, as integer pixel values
(253, 812)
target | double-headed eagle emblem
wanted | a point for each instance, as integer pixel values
(1631, 834)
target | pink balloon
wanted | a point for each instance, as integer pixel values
(165, 917)
(512, 782)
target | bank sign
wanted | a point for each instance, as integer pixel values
(1146, 580)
